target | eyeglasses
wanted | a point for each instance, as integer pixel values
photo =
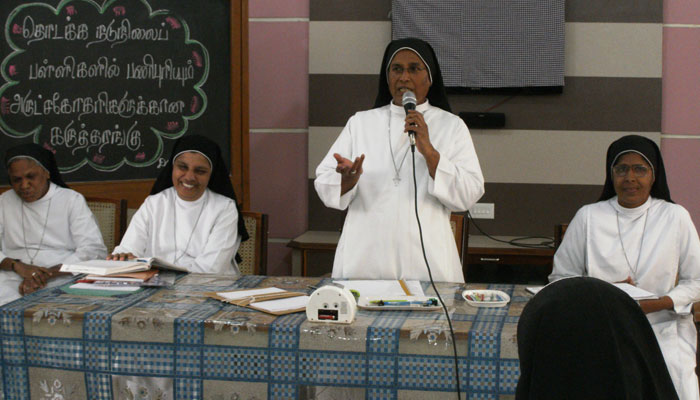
(639, 171)
(412, 69)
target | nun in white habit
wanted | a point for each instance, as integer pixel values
(636, 234)
(369, 172)
(192, 217)
(43, 224)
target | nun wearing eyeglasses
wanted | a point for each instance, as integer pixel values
(368, 171)
(636, 234)
(191, 218)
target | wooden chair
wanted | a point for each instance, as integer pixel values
(559, 231)
(460, 228)
(254, 250)
(696, 317)
(111, 218)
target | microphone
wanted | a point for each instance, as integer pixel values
(409, 103)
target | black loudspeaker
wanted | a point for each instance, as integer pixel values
(484, 120)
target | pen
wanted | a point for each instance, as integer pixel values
(482, 297)
(425, 303)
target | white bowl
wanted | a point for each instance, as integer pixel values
(485, 298)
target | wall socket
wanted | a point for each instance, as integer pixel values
(483, 211)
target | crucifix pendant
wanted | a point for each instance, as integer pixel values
(396, 180)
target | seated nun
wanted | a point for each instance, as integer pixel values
(43, 224)
(191, 218)
(636, 234)
(583, 338)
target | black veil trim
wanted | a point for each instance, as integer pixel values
(648, 148)
(219, 181)
(437, 95)
(43, 156)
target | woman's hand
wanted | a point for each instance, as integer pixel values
(628, 280)
(37, 275)
(416, 123)
(121, 256)
(55, 271)
(654, 305)
(28, 286)
(349, 171)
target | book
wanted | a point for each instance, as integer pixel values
(270, 300)
(126, 277)
(112, 267)
(105, 285)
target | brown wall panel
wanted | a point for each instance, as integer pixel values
(354, 10)
(520, 209)
(650, 11)
(586, 104)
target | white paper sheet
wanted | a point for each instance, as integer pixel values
(247, 293)
(92, 286)
(382, 288)
(534, 289)
(289, 303)
(635, 292)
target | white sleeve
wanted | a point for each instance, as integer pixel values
(687, 291)
(458, 182)
(85, 233)
(137, 234)
(570, 258)
(327, 182)
(222, 244)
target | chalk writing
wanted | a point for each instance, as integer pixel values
(120, 33)
(71, 69)
(149, 69)
(81, 137)
(101, 84)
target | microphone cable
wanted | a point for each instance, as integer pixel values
(545, 243)
(430, 274)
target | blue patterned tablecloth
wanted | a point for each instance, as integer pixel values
(175, 343)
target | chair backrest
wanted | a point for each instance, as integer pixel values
(559, 231)
(461, 232)
(254, 250)
(111, 218)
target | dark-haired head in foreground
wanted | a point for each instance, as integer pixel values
(583, 338)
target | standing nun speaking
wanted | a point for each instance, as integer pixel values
(369, 172)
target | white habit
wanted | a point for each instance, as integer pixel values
(662, 246)
(380, 237)
(72, 234)
(206, 239)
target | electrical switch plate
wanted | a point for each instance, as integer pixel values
(483, 211)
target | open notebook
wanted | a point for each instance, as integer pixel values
(111, 267)
(634, 292)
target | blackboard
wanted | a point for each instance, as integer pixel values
(109, 85)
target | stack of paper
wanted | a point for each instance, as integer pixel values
(271, 300)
